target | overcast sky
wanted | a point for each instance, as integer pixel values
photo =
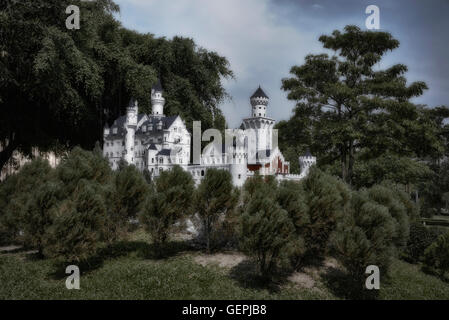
(262, 39)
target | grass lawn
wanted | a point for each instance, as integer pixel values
(127, 272)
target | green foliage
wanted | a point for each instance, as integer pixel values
(436, 256)
(167, 204)
(39, 215)
(387, 197)
(79, 224)
(214, 198)
(326, 199)
(357, 118)
(130, 192)
(81, 165)
(59, 87)
(401, 170)
(364, 237)
(420, 238)
(291, 198)
(433, 189)
(17, 193)
(266, 230)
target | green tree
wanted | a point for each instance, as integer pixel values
(17, 192)
(363, 237)
(436, 256)
(388, 198)
(130, 192)
(59, 87)
(266, 231)
(214, 198)
(351, 112)
(79, 225)
(39, 215)
(169, 202)
(420, 238)
(326, 199)
(291, 198)
(432, 190)
(81, 167)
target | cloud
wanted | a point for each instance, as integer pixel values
(262, 39)
(261, 48)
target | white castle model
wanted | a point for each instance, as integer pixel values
(157, 143)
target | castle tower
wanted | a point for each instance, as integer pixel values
(305, 162)
(157, 100)
(238, 161)
(259, 103)
(131, 123)
(259, 127)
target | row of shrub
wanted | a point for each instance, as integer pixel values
(70, 211)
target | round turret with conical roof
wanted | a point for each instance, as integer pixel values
(157, 99)
(259, 103)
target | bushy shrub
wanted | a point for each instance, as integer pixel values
(130, 192)
(170, 201)
(266, 230)
(436, 256)
(79, 165)
(364, 237)
(16, 194)
(214, 199)
(420, 238)
(326, 198)
(388, 197)
(39, 215)
(79, 224)
(290, 197)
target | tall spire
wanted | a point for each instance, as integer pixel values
(259, 103)
(259, 93)
(158, 86)
(157, 99)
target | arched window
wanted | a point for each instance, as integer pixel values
(202, 173)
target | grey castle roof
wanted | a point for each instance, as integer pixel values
(259, 94)
(166, 123)
(152, 147)
(164, 152)
(307, 154)
(119, 124)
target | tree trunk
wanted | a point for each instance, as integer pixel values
(351, 162)
(343, 163)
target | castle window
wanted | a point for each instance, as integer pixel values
(152, 160)
(240, 176)
(202, 173)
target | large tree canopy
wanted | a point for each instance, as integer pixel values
(59, 87)
(351, 112)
